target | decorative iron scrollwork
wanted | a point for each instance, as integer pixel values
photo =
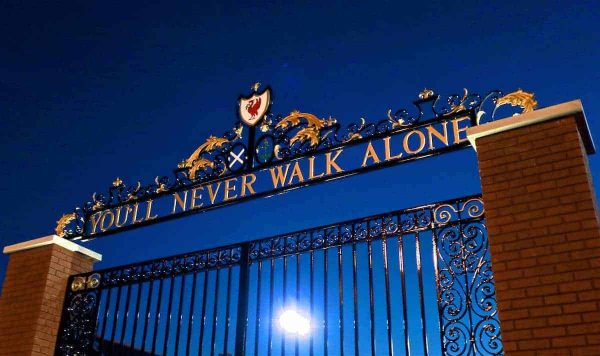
(281, 138)
(76, 335)
(468, 315)
(89, 282)
(468, 310)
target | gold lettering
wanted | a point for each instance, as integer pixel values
(388, 150)
(431, 131)
(421, 144)
(248, 185)
(296, 172)
(330, 162)
(149, 211)
(229, 188)
(193, 204)
(279, 177)
(103, 219)
(134, 220)
(370, 153)
(178, 201)
(127, 211)
(95, 219)
(213, 194)
(311, 169)
(457, 130)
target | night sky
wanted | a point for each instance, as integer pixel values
(94, 90)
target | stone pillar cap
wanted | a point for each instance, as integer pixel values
(534, 117)
(50, 240)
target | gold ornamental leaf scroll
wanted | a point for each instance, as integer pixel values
(519, 98)
(461, 105)
(194, 163)
(62, 223)
(311, 132)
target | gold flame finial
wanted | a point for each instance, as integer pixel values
(62, 223)
(524, 100)
(255, 86)
(426, 94)
(117, 182)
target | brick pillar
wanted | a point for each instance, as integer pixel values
(33, 292)
(543, 229)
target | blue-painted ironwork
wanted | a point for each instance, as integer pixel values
(167, 304)
(277, 139)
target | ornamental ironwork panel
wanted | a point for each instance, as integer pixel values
(414, 281)
(238, 165)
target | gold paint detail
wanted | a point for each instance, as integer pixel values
(238, 131)
(98, 204)
(161, 187)
(255, 86)
(117, 182)
(521, 98)
(265, 126)
(81, 283)
(78, 284)
(62, 223)
(132, 195)
(194, 163)
(461, 105)
(443, 213)
(426, 94)
(312, 132)
(356, 135)
(395, 123)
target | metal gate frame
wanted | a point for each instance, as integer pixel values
(468, 320)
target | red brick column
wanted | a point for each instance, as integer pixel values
(33, 292)
(543, 229)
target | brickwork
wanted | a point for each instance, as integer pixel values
(32, 298)
(544, 238)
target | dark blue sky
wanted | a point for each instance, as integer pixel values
(91, 91)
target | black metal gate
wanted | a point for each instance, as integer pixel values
(415, 281)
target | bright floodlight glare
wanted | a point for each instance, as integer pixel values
(294, 323)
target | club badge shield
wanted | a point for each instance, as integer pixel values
(253, 108)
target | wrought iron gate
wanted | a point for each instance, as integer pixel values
(414, 281)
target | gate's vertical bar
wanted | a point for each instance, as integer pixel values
(169, 310)
(283, 337)
(213, 337)
(241, 327)
(297, 346)
(203, 314)
(148, 313)
(271, 276)
(355, 294)
(157, 314)
(113, 329)
(137, 311)
(227, 309)
(106, 312)
(191, 313)
(371, 295)
(403, 284)
(125, 315)
(437, 282)
(258, 302)
(341, 297)
(467, 287)
(179, 315)
(387, 292)
(312, 295)
(421, 293)
(325, 310)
